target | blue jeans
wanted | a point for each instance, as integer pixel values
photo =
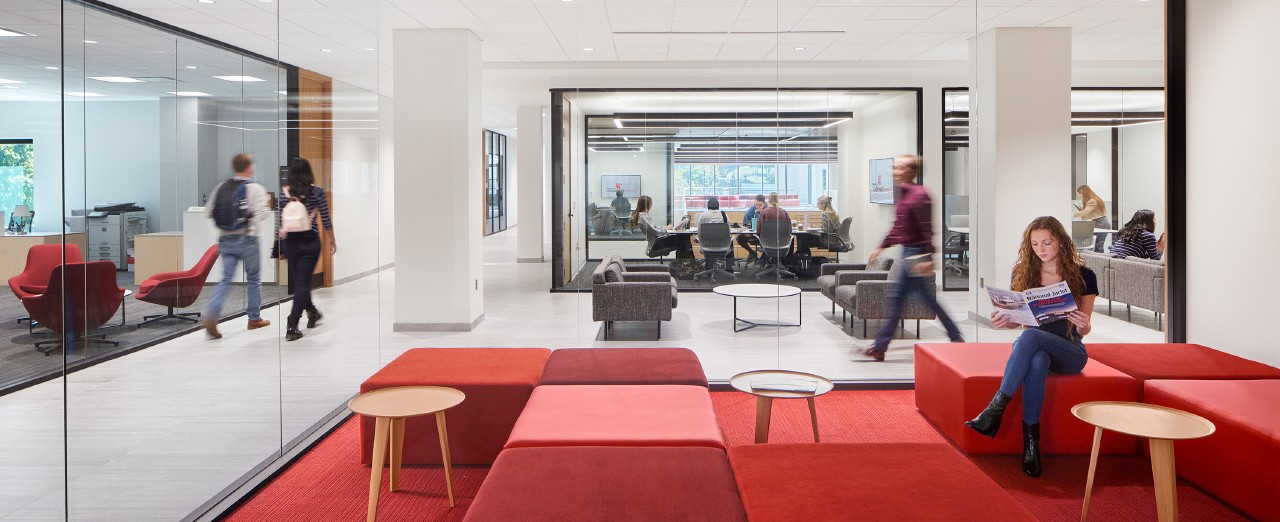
(1035, 354)
(900, 291)
(233, 249)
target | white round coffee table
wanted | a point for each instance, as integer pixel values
(759, 291)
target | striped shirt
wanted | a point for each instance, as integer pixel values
(1143, 246)
(315, 202)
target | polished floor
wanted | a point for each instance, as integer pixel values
(152, 435)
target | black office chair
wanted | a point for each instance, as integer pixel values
(716, 244)
(840, 242)
(775, 242)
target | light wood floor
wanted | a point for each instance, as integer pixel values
(152, 435)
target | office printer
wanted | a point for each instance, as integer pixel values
(111, 228)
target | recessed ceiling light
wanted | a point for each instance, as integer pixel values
(51, 68)
(90, 42)
(115, 79)
(588, 48)
(83, 94)
(189, 93)
(266, 1)
(798, 48)
(286, 93)
(13, 32)
(158, 52)
(240, 78)
(191, 67)
(2, 81)
(368, 48)
(566, 1)
(326, 50)
(205, 1)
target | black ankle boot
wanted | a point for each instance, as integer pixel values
(313, 316)
(292, 333)
(1031, 449)
(988, 422)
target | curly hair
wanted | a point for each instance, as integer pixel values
(1026, 272)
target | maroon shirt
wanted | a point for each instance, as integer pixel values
(774, 214)
(913, 226)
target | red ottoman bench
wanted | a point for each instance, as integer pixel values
(618, 415)
(624, 366)
(839, 482)
(955, 381)
(1178, 361)
(1240, 462)
(602, 483)
(497, 382)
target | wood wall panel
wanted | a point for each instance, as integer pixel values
(315, 143)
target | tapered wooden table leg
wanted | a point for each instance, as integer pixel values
(381, 428)
(1093, 467)
(813, 415)
(764, 411)
(397, 451)
(1165, 478)
(444, 455)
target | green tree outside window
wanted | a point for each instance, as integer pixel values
(17, 176)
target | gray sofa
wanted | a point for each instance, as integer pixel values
(1132, 281)
(621, 292)
(828, 272)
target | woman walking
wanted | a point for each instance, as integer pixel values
(302, 247)
(1047, 256)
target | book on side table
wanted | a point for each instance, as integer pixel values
(785, 384)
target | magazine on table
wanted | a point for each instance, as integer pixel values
(785, 384)
(1036, 306)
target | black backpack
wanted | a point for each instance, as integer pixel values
(231, 205)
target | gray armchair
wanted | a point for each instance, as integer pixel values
(1101, 266)
(866, 296)
(618, 295)
(827, 280)
(1139, 282)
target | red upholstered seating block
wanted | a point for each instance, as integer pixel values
(602, 483)
(840, 482)
(624, 366)
(955, 381)
(497, 382)
(618, 415)
(1240, 462)
(1178, 361)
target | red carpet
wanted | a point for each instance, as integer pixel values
(328, 483)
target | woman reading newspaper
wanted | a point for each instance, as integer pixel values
(1047, 257)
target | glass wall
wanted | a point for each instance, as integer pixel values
(115, 133)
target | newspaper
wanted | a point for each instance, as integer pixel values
(1036, 306)
(785, 384)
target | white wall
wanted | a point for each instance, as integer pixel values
(888, 129)
(356, 181)
(39, 122)
(386, 182)
(1142, 171)
(1098, 173)
(651, 165)
(1231, 194)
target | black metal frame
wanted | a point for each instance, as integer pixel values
(1175, 108)
(184, 316)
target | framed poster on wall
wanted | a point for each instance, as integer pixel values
(629, 183)
(880, 181)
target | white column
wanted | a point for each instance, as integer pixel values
(438, 194)
(1020, 116)
(529, 175)
(1231, 188)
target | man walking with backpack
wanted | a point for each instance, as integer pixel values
(238, 204)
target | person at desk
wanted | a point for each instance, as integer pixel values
(661, 242)
(1137, 238)
(774, 212)
(830, 229)
(1093, 209)
(713, 214)
(621, 205)
(749, 221)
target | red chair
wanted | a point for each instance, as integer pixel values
(41, 260)
(177, 289)
(79, 298)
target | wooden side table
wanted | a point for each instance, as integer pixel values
(1160, 426)
(389, 407)
(764, 398)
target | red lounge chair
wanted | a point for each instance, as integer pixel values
(91, 299)
(177, 289)
(41, 260)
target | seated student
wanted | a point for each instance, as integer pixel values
(748, 220)
(661, 242)
(1136, 238)
(830, 229)
(713, 214)
(620, 204)
(774, 212)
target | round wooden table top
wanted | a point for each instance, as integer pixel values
(1144, 420)
(406, 401)
(757, 290)
(742, 383)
